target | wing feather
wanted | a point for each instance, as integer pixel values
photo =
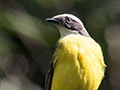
(49, 76)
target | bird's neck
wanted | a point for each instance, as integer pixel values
(65, 32)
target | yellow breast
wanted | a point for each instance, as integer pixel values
(78, 64)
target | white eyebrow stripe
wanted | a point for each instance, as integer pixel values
(70, 16)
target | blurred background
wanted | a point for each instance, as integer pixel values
(27, 41)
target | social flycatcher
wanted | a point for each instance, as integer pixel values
(78, 62)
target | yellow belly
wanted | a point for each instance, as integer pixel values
(78, 64)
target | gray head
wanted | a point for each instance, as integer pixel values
(68, 24)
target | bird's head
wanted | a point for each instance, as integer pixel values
(68, 24)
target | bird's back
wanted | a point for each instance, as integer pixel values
(78, 64)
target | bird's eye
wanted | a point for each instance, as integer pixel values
(68, 20)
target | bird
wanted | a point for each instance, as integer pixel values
(78, 62)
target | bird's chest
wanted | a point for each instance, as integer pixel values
(75, 62)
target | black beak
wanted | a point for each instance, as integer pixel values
(52, 20)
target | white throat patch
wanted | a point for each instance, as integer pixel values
(65, 32)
